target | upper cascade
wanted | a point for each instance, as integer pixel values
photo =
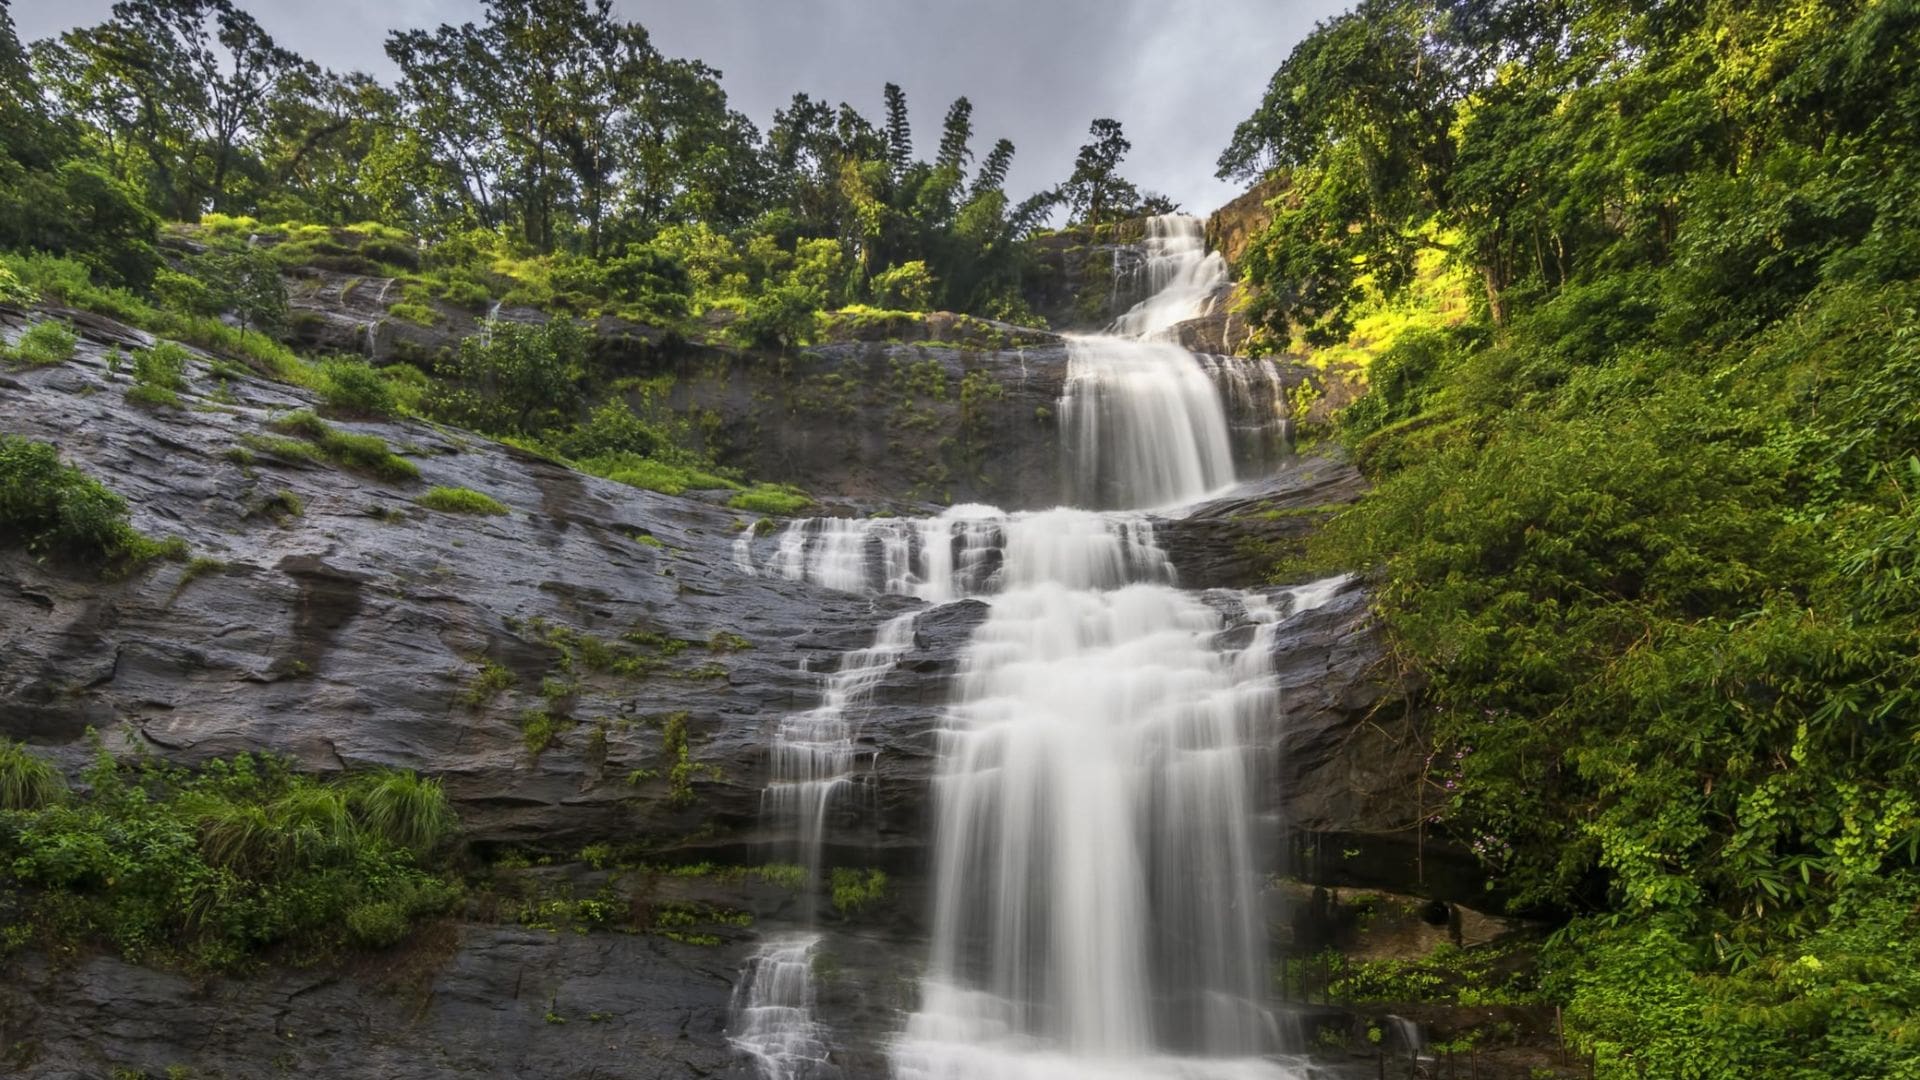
(1144, 423)
(1182, 277)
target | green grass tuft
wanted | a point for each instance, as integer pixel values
(28, 781)
(653, 474)
(771, 499)
(459, 500)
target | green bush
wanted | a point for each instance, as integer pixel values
(1843, 997)
(378, 924)
(15, 292)
(55, 510)
(781, 317)
(417, 314)
(208, 868)
(854, 890)
(647, 285)
(45, 342)
(354, 388)
(907, 287)
(77, 209)
(517, 379)
(459, 500)
(159, 373)
(612, 429)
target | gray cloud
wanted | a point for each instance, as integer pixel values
(1178, 74)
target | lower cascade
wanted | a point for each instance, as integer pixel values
(1096, 882)
(1096, 890)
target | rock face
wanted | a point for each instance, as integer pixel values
(464, 1001)
(1082, 280)
(1232, 228)
(347, 636)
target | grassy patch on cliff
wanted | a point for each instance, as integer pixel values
(56, 511)
(459, 500)
(209, 868)
(361, 453)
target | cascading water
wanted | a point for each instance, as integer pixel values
(1183, 277)
(1143, 424)
(1096, 893)
(811, 763)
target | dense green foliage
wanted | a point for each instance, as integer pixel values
(547, 146)
(56, 511)
(1648, 520)
(207, 868)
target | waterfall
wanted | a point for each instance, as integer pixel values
(1182, 277)
(773, 1008)
(813, 751)
(970, 551)
(811, 763)
(486, 324)
(1096, 891)
(1142, 424)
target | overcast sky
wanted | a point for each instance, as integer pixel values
(1177, 74)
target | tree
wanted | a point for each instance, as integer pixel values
(899, 133)
(993, 170)
(955, 133)
(182, 86)
(1096, 186)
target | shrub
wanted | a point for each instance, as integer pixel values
(378, 924)
(612, 429)
(52, 508)
(647, 284)
(76, 210)
(355, 388)
(854, 891)
(184, 293)
(907, 287)
(415, 313)
(459, 500)
(537, 730)
(165, 365)
(516, 379)
(781, 317)
(45, 342)
(15, 292)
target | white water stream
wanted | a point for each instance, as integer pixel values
(1096, 891)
